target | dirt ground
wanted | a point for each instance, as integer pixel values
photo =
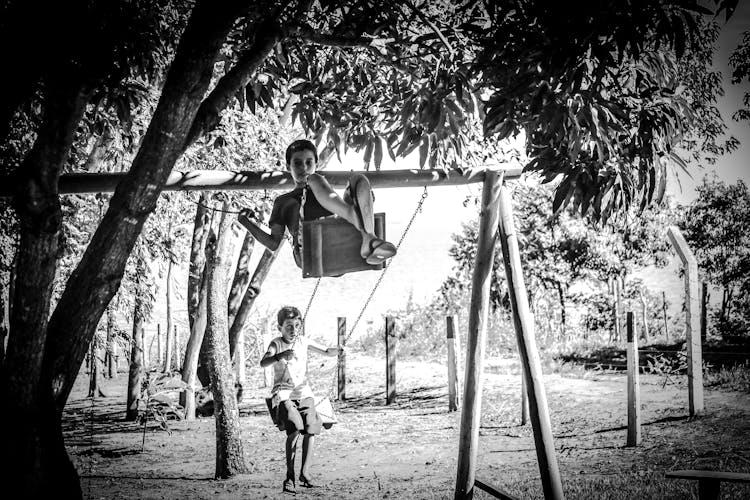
(409, 449)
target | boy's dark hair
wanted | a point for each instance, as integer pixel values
(288, 312)
(300, 145)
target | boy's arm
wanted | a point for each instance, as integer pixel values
(271, 356)
(321, 349)
(270, 241)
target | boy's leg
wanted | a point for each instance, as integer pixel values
(331, 201)
(307, 451)
(358, 201)
(291, 453)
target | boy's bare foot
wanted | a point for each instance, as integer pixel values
(289, 486)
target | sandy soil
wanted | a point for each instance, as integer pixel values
(409, 449)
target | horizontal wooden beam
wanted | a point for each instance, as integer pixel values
(222, 180)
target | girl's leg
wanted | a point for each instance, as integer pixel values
(307, 452)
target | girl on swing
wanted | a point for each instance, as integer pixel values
(293, 399)
(313, 198)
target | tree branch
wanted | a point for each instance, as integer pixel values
(207, 118)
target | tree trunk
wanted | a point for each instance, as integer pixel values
(135, 373)
(241, 277)
(204, 218)
(252, 292)
(159, 346)
(644, 314)
(97, 277)
(94, 372)
(563, 315)
(177, 362)
(230, 455)
(3, 330)
(111, 351)
(34, 454)
(664, 315)
(169, 343)
(201, 228)
(192, 351)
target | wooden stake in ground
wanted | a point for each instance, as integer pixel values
(230, 453)
(390, 355)
(523, 323)
(476, 337)
(692, 321)
(341, 328)
(453, 346)
(634, 388)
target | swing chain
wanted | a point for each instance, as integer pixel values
(382, 275)
(334, 380)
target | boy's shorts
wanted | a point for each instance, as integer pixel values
(299, 415)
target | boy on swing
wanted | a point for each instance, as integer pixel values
(293, 398)
(313, 198)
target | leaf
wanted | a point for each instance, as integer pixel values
(424, 149)
(378, 152)
(368, 154)
(250, 98)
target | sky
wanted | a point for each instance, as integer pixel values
(423, 261)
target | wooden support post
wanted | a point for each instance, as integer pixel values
(634, 389)
(704, 312)
(452, 345)
(341, 326)
(692, 321)
(390, 354)
(524, 401)
(476, 337)
(523, 323)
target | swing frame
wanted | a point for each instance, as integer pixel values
(496, 213)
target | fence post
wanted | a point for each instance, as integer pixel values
(692, 321)
(634, 396)
(390, 354)
(704, 312)
(342, 359)
(452, 345)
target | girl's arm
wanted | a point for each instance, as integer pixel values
(270, 241)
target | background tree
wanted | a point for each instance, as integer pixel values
(714, 226)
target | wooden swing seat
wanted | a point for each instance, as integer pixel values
(330, 247)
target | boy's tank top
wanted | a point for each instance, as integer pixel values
(290, 378)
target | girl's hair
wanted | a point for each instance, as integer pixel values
(300, 145)
(287, 312)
